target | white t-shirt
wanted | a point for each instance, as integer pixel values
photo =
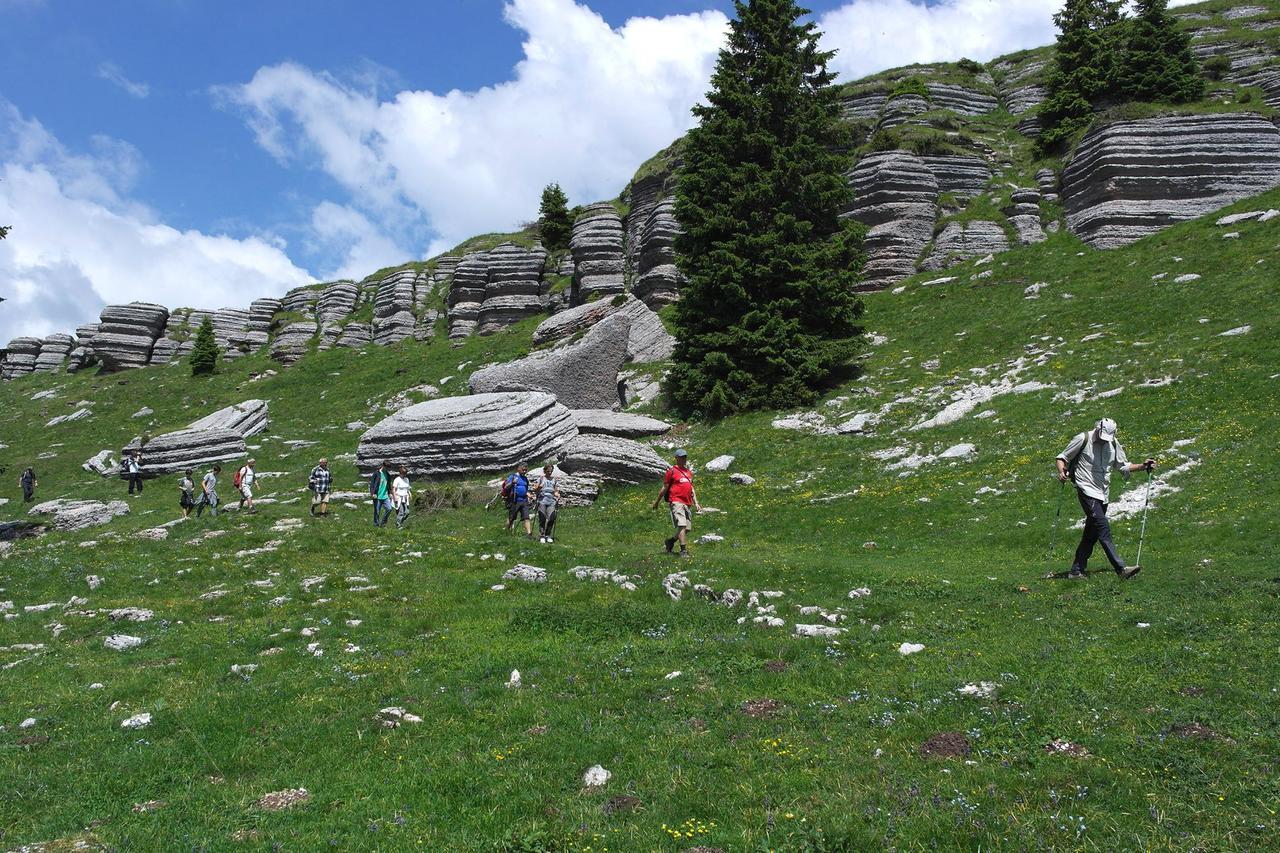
(246, 477)
(400, 488)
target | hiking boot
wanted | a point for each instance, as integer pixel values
(1126, 574)
(1076, 575)
(684, 555)
(671, 544)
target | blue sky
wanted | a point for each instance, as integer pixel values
(198, 153)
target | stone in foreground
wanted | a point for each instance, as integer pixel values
(77, 515)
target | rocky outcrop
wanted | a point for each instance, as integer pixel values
(963, 177)
(612, 459)
(246, 419)
(230, 327)
(336, 303)
(355, 336)
(649, 340)
(1022, 89)
(643, 197)
(187, 448)
(468, 435)
(1047, 183)
(961, 241)
(292, 342)
(77, 515)
(513, 289)
(964, 100)
(903, 109)
(895, 194)
(1131, 178)
(301, 300)
(864, 106)
(1024, 215)
(127, 333)
(20, 357)
(581, 375)
(466, 294)
(618, 424)
(393, 318)
(597, 246)
(658, 281)
(53, 353)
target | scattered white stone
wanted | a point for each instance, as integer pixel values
(93, 581)
(720, 463)
(245, 669)
(137, 721)
(122, 642)
(528, 574)
(1231, 235)
(742, 479)
(144, 412)
(958, 451)
(1187, 278)
(818, 631)
(1144, 624)
(312, 582)
(315, 650)
(1236, 332)
(97, 685)
(672, 676)
(708, 538)
(860, 422)
(28, 723)
(1032, 291)
(131, 614)
(498, 587)
(391, 718)
(981, 690)
(354, 623)
(1232, 219)
(910, 648)
(596, 777)
(514, 682)
(860, 592)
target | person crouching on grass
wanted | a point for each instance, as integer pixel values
(678, 491)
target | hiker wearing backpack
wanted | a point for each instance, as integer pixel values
(515, 493)
(27, 482)
(678, 491)
(380, 491)
(186, 494)
(320, 482)
(243, 483)
(209, 492)
(1088, 462)
(548, 501)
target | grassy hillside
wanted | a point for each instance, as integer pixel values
(1168, 681)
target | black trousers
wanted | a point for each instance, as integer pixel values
(1097, 531)
(547, 520)
(135, 481)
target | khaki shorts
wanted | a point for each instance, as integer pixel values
(682, 516)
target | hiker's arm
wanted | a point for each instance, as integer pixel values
(694, 493)
(1149, 465)
(662, 495)
(1075, 448)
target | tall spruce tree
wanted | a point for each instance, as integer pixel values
(1087, 69)
(768, 313)
(554, 224)
(204, 353)
(1158, 63)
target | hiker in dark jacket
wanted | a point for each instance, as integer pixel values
(133, 471)
(186, 493)
(209, 493)
(1088, 462)
(380, 491)
(321, 481)
(27, 482)
(515, 492)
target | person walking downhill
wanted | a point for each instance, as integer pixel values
(186, 493)
(548, 492)
(401, 496)
(133, 472)
(678, 491)
(321, 481)
(515, 491)
(209, 492)
(27, 482)
(1088, 462)
(244, 481)
(380, 491)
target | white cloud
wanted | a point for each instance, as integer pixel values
(78, 241)
(367, 250)
(112, 73)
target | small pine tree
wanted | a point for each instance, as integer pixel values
(204, 353)
(1087, 69)
(768, 314)
(1158, 63)
(554, 223)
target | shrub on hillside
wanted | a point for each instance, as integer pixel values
(204, 353)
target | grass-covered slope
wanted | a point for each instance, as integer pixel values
(1167, 681)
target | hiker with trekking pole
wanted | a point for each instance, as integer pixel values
(1088, 462)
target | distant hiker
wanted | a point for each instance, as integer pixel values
(320, 482)
(243, 482)
(380, 491)
(186, 493)
(678, 491)
(28, 484)
(548, 492)
(1088, 462)
(209, 492)
(133, 471)
(515, 493)
(401, 496)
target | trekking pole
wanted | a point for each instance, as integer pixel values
(1146, 502)
(1053, 537)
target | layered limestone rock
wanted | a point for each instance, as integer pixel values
(53, 353)
(865, 106)
(20, 357)
(301, 300)
(1047, 182)
(355, 336)
(82, 355)
(187, 448)
(513, 289)
(961, 241)
(644, 197)
(292, 342)
(230, 327)
(1021, 90)
(961, 99)
(597, 246)
(336, 302)
(963, 177)
(466, 294)
(895, 194)
(468, 435)
(618, 424)
(1131, 178)
(581, 375)
(648, 339)
(127, 334)
(903, 110)
(1024, 215)
(658, 280)
(248, 418)
(393, 318)
(77, 515)
(612, 459)
(262, 313)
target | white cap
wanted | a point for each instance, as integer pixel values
(1107, 429)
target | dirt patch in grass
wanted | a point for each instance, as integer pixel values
(761, 709)
(33, 740)
(776, 666)
(1192, 690)
(1058, 746)
(280, 800)
(1192, 731)
(149, 806)
(535, 731)
(946, 745)
(621, 804)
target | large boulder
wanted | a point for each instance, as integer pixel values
(393, 306)
(77, 515)
(514, 287)
(53, 353)
(1129, 179)
(20, 357)
(468, 435)
(292, 342)
(959, 242)
(187, 448)
(619, 424)
(247, 418)
(613, 459)
(466, 294)
(127, 333)
(659, 279)
(896, 196)
(647, 341)
(597, 246)
(581, 375)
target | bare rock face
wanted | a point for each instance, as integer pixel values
(581, 375)
(53, 353)
(649, 340)
(1024, 215)
(963, 177)
(355, 336)
(247, 418)
(959, 242)
(466, 294)
(80, 358)
(896, 195)
(644, 197)
(301, 300)
(865, 106)
(292, 342)
(468, 435)
(20, 357)
(187, 448)
(77, 515)
(964, 100)
(597, 253)
(393, 317)
(336, 303)
(1047, 183)
(618, 424)
(659, 279)
(513, 290)
(1132, 178)
(612, 459)
(127, 333)
(1021, 90)
(903, 109)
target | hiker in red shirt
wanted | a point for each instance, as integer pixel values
(678, 491)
